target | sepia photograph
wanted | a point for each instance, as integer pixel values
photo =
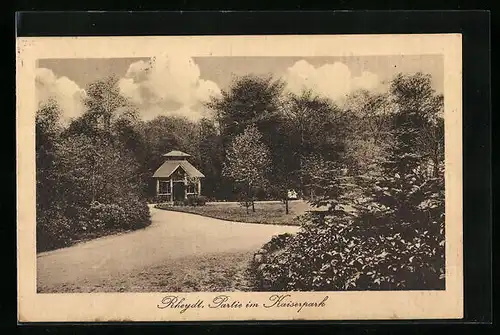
(240, 173)
(192, 172)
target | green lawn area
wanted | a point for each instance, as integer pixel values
(266, 212)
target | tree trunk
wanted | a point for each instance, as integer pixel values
(248, 196)
(286, 204)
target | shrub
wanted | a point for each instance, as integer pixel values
(353, 254)
(277, 242)
(201, 200)
(183, 202)
(53, 230)
(158, 199)
(136, 214)
(62, 226)
(104, 216)
(196, 200)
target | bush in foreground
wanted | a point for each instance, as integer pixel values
(61, 227)
(130, 215)
(346, 254)
(53, 229)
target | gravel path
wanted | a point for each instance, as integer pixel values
(180, 244)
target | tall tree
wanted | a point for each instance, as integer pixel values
(95, 170)
(104, 101)
(47, 134)
(369, 135)
(88, 176)
(418, 121)
(315, 127)
(409, 194)
(211, 157)
(412, 173)
(326, 179)
(248, 161)
(104, 105)
(250, 100)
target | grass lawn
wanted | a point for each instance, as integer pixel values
(266, 212)
(223, 272)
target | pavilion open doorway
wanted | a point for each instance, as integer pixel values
(179, 191)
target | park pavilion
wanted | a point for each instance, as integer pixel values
(176, 178)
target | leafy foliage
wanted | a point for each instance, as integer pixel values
(196, 200)
(395, 237)
(369, 136)
(248, 161)
(251, 100)
(373, 168)
(88, 179)
(47, 131)
(343, 254)
(315, 126)
(254, 101)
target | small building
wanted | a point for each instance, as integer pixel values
(176, 178)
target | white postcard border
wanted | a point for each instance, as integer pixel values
(33, 307)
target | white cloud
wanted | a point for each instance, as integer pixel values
(206, 89)
(164, 85)
(168, 84)
(129, 89)
(367, 80)
(334, 81)
(137, 70)
(63, 90)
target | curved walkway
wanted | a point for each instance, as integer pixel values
(171, 237)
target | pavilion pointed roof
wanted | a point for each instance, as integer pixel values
(176, 154)
(169, 167)
(177, 160)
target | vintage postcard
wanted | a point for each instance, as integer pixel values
(195, 178)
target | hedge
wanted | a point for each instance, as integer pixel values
(61, 227)
(355, 254)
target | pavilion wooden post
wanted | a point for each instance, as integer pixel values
(199, 186)
(171, 190)
(185, 187)
(157, 187)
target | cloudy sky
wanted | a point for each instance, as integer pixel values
(173, 85)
